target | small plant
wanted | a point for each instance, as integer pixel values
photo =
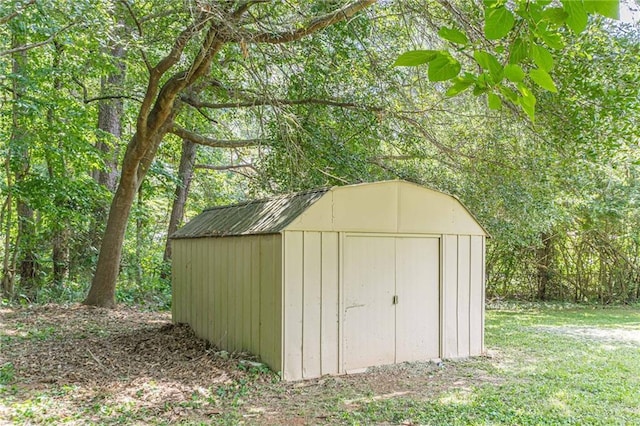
(7, 373)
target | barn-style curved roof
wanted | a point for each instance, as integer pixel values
(387, 207)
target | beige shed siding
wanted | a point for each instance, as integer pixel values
(310, 347)
(230, 290)
(449, 296)
(463, 296)
(476, 300)
(387, 207)
(330, 304)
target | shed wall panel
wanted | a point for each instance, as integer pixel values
(365, 208)
(476, 301)
(464, 245)
(449, 297)
(293, 304)
(247, 296)
(330, 304)
(213, 266)
(271, 300)
(312, 304)
(256, 295)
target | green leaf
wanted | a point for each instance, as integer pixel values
(453, 35)
(415, 57)
(518, 51)
(489, 63)
(541, 57)
(459, 86)
(498, 22)
(556, 15)
(552, 39)
(514, 72)
(527, 101)
(443, 67)
(494, 101)
(509, 94)
(577, 16)
(543, 79)
(608, 8)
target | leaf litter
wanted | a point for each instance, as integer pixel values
(85, 365)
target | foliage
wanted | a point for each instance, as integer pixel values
(558, 196)
(513, 52)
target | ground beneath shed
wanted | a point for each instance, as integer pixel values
(86, 365)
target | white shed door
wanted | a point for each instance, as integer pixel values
(369, 320)
(391, 300)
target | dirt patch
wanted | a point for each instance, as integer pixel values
(611, 335)
(84, 365)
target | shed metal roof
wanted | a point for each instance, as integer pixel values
(266, 216)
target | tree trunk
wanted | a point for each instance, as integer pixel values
(110, 121)
(185, 173)
(25, 239)
(103, 286)
(544, 258)
(56, 167)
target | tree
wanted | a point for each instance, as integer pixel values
(213, 26)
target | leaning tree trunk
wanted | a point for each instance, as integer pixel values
(159, 108)
(103, 286)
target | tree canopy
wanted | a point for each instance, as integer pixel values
(120, 118)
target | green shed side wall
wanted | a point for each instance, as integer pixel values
(229, 290)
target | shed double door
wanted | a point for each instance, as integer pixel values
(391, 300)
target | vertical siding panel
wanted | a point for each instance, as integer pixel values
(450, 296)
(311, 318)
(293, 293)
(475, 300)
(222, 293)
(277, 317)
(216, 290)
(270, 348)
(330, 304)
(177, 265)
(195, 286)
(202, 281)
(238, 283)
(188, 287)
(232, 294)
(464, 245)
(211, 283)
(192, 284)
(246, 294)
(256, 289)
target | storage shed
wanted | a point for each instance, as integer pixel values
(336, 280)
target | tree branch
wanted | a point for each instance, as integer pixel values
(215, 143)
(275, 102)
(9, 17)
(226, 167)
(140, 33)
(315, 25)
(34, 45)
(245, 6)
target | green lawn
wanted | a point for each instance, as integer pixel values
(557, 366)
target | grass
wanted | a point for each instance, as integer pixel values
(549, 375)
(546, 365)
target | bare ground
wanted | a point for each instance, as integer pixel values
(83, 365)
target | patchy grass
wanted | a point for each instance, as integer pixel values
(545, 365)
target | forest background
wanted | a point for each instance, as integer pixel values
(275, 97)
